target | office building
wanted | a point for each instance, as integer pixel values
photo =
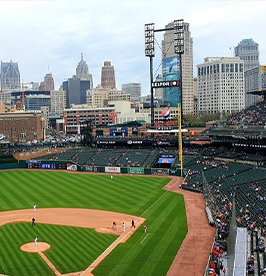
(99, 97)
(77, 114)
(33, 100)
(108, 76)
(7, 108)
(21, 127)
(221, 85)
(48, 83)
(159, 91)
(58, 102)
(125, 113)
(255, 80)
(134, 89)
(9, 76)
(195, 95)
(77, 86)
(248, 51)
(171, 69)
(82, 71)
(252, 84)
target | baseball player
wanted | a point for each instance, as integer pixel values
(34, 207)
(33, 222)
(124, 227)
(111, 177)
(35, 241)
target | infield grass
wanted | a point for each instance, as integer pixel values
(146, 254)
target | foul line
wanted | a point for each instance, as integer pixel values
(157, 200)
(48, 262)
(144, 238)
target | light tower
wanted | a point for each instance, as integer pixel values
(178, 29)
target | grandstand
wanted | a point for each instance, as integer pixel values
(111, 157)
(253, 115)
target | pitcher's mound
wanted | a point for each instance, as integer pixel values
(30, 247)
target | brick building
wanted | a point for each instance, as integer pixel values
(73, 117)
(22, 127)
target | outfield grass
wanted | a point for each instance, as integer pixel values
(141, 255)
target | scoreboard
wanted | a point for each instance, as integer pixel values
(47, 166)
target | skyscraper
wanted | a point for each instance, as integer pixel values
(10, 76)
(82, 71)
(248, 51)
(221, 85)
(159, 91)
(77, 86)
(171, 64)
(134, 89)
(48, 83)
(108, 75)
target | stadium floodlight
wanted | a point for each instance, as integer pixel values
(149, 39)
(179, 36)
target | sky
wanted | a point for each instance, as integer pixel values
(53, 34)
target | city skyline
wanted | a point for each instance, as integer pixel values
(54, 33)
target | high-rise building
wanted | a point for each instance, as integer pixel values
(171, 65)
(82, 71)
(221, 85)
(255, 80)
(48, 83)
(77, 86)
(195, 95)
(33, 100)
(248, 51)
(108, 75)
(252, 84)
(10, 76)
(99, 97)
(159, 91)
(76, 90)
(134, 89)
(58, 102)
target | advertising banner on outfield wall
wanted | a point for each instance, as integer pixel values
(136, 170)
(160, 171)
(112, 169)
(90, 169)
(72, 167)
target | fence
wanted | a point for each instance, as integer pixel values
(70, 165)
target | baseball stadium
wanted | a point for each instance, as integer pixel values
(137, 198)
(126, 208)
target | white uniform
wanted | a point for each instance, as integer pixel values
(34, 207)
(124, 227)
(35, 241)
(111, 177)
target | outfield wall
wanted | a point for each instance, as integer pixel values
(71, 166)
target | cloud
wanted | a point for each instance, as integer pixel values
(54, 33)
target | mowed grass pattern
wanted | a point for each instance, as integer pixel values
(72, 249)
(141, 255)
